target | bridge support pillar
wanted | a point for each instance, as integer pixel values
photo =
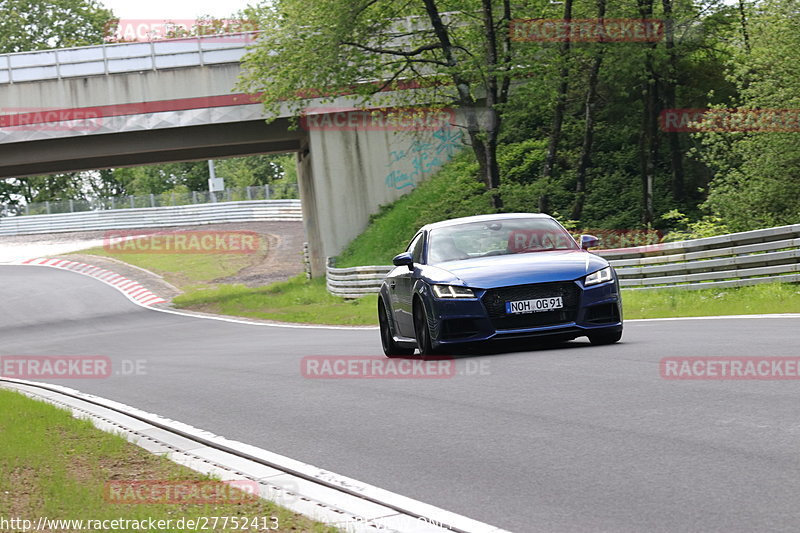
(345, 175)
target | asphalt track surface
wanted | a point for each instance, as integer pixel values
(565, 438)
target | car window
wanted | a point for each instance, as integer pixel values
(497, 237)
(416, 248)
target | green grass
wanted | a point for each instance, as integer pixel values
(56, 466)
(295, 300)
(757, 299)
(452, 192)
(184, 269)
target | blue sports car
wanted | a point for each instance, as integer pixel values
(493, 277)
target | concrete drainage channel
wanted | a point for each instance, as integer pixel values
(321, 495)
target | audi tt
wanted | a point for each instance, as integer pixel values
(484, 278)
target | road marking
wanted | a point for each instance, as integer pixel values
(132, 290)
(720, 317)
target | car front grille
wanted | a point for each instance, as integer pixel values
(495, 302)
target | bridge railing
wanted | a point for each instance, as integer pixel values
(124, 57)
(734, 260)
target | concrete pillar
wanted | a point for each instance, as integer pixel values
(305, 182)
(345, 176)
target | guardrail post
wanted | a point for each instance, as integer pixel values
(152, 200)
(249, 193)
(47, 206)
(133, 201)
(71, 206)
(194, 197)
(112, 204)
(266, 191)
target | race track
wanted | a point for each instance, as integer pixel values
(567, 438)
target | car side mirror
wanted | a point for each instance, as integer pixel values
(404, 259)
(588, 241)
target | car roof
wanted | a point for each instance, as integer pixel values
(482, 218)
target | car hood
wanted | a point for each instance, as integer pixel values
(518, 269)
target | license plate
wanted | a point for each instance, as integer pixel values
(534, 306)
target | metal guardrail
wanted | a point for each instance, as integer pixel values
(277, 191)
(124, 57)
(734, 260)
(155, 217)
(355, 282)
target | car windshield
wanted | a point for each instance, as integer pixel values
(497, 237)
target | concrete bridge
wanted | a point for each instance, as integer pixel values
(174, 100)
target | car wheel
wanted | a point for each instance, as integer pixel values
(605, 337)
(421, 330)
(390, 347)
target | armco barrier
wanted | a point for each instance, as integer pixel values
(734, 260)
(355, 281)
(154, 217)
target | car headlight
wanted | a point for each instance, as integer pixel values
(452, 291)
(601, 276)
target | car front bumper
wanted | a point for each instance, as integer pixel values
(460, 321)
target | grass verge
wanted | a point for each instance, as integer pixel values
(185, 270)
(56, 466)
(757, 299)
(295, 300)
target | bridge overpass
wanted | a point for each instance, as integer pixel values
(140, 103)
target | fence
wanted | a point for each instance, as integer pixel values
(734, 260)
(280, 191)
(155, 217)
(124, 57)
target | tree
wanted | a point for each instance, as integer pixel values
(252, 170)
(589, 120)
(558, 112)
(757, 173)
(37, 25)
(460, 53)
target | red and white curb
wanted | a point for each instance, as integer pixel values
(129, 288)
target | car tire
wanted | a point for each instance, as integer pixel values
(390, 347)
(421, 330)
(605, 337)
